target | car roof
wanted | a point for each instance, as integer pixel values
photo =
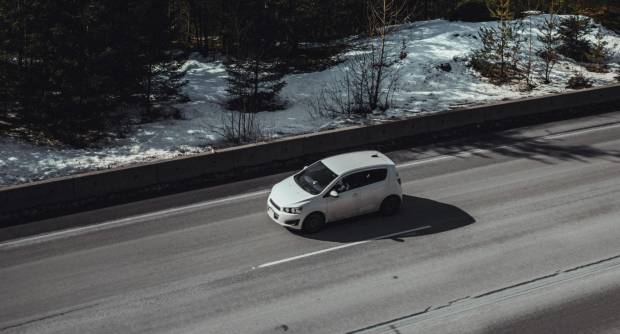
(343, 163)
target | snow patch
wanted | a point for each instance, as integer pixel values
(423, 89)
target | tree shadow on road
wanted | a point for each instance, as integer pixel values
(512, 144)
(415, 213)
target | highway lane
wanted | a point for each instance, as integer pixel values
(516, 232)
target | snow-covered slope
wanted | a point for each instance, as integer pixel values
(423, 88)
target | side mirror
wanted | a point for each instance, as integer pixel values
(333, 194)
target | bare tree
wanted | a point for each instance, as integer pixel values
(337, 98)
(370, 78)
(529, 83)
(239, 128)
(381, 15)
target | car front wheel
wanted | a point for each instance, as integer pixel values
(313, 223)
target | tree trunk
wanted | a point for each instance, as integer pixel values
(381, 64)
(149, 80)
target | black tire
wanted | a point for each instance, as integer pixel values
(390, 206)
(313, 223)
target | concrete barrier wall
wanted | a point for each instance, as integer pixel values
(100, 184)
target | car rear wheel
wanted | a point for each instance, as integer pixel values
(313, 223)
(390, 205)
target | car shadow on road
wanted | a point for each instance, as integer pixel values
(415, 212)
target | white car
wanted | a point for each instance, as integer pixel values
(335, 188)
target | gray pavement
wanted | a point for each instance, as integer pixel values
(514, 232)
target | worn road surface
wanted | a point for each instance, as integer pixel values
(515, 232)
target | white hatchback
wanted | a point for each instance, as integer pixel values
(336, 188)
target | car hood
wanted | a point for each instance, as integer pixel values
(288, 193)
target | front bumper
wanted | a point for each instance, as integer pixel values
(282, 218)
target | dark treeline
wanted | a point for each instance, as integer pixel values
(70, 69)
(221, 25)
(74, 70)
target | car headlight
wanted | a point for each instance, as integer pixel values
(292, 210)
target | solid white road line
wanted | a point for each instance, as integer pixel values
(462, 154)
(126, 221)
(270, 264)
(196, 206)
(580, 132)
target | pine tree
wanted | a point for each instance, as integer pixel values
(254, 85)
(160, 63)
(499, 59)
(70, 68)
(501, 9)
(599, 53)
(573, 31)
(550, 41)
(255, 72)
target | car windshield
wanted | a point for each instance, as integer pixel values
(315, 178)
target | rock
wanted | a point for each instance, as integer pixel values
(446, 67)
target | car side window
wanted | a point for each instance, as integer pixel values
(353, 181)
(376, 175)
(346, 183)
(340, 187)
(361, 179)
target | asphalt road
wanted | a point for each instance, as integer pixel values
(516, 232)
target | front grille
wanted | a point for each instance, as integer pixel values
(274, 204)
